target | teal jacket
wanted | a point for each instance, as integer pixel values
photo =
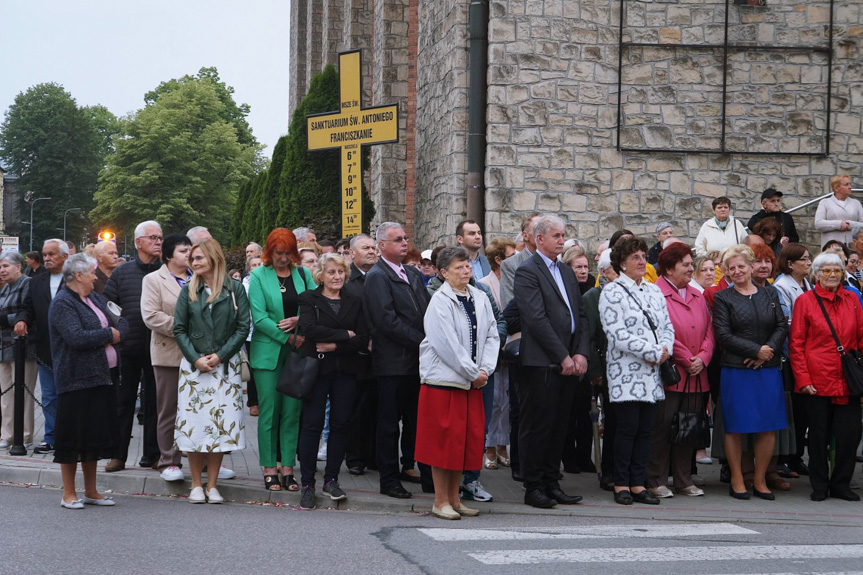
(265, 298)
(201, 329)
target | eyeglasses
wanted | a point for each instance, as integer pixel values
(154, 239)
(398, 240)
(832, 272)
(804, 259)
(197, 258)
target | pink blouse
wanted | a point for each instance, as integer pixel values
(109, 349)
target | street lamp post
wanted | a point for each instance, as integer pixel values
(64, 220)
(32, 204)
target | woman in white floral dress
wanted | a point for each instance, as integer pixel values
(211, 323)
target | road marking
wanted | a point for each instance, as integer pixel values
(604, 531)
(642, 555)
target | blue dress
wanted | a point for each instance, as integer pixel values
(753, 400)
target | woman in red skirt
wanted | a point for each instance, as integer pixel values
(457, 355)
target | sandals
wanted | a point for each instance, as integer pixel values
(489, 463)
(503, 460)
(289, 483)
(271, 483)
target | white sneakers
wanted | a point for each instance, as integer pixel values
(661, 492)
(224, 473)
(172, 473)
(691, 491)
(197, 495)
(213, 496)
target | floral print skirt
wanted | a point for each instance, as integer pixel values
(210, 409)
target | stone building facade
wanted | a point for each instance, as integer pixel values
(690, 103)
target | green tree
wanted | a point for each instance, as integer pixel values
(270, 199)
(179, 162)
(54, 148)
(107, 127)
(237, 230)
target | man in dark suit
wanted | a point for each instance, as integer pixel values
(43, 288)
(360, 451)
(553, 354)
(395, 303)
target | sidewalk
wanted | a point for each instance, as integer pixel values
(793, 506)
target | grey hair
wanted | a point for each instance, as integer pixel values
(451, 254)
(826, 259)
(301, 233)
(139, 229)
(61, 245)
(192, 234)
(14, 258)
(256, 244)
(385, 227)
(77, 264)
(604, 260)
(546, 223)
(357, 238)
(856, 231)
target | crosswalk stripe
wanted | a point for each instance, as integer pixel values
(641, 555)
(599, 531)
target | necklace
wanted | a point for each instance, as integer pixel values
(282, 287)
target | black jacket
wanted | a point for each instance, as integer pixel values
(35, 315)
(124, 289)
(546, 325)
(743, 324)
(319, 323)
(394, 312)
(784, 219)
(356, 282)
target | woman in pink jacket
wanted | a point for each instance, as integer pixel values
(693, 348)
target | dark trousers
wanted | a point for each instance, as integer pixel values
(398, 396)
(340, 387)
(515, 374)
(579, 433)
(136, 368)
(487, 404)
(829, 420)
(667, 459)
(360, 450)
(545, 400)
(252, 395)
(635, 420)
(609, 432)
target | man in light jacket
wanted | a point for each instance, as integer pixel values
(837, 215)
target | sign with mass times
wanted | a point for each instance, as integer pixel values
(349, 129)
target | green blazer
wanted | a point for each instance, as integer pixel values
(265, 298)
(201, 329)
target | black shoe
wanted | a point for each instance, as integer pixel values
(44, 448)
(725, 474)
(800, 468)
(785, 472)
(818, 495)
(572, 468)
(145, 462)
(623, 497)
(516, 476)
(845, 494)
(558, 495)
(404, 476)
(335, 492)
(587, 466)
(428, 488)
(606, 485)
(744, 495)
(307, 499)
(765, 495)
(536, 498)
(645, 497)
(396, 491)
(356, 470)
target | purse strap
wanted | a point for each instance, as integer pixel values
(646, 315)
(839, 346)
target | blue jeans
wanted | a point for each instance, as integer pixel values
(487, 404)
(49, 402)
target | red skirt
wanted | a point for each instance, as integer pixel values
(450, 428)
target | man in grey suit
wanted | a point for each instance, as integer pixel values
(554, 347)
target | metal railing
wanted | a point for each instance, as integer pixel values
(815, 200)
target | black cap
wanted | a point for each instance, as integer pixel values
(769, 193)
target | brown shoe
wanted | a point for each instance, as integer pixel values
(115, 465)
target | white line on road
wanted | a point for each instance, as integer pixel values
(641, 555)
(604, 531)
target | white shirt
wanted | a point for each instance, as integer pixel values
(55, 280)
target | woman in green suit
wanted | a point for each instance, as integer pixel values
(274, 289)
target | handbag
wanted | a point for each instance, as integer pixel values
(667, 369)
(242, 357)
(511, 349)
(852, 359)
(299, 373)
(690, 428)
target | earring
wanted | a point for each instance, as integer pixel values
(623, 269)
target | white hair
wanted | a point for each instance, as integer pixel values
(77, 264)
(301, 233)
(61, 245)
(826, 259)
(192, 234)
(604, 260)
(139, 229)
(546, 223)
(384, 229)
(357, 238)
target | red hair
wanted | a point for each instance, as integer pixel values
(671, 256)
(765, 252)
(281, 239)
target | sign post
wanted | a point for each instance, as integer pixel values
(349, 129)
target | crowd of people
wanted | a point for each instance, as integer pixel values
(432, 366)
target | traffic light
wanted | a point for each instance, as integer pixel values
(107, 236)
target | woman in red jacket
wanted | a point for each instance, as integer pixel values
(818, 373)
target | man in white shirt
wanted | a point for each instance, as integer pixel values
(838, 214)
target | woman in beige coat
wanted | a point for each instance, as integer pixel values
(158, 299)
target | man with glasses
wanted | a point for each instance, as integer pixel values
(395, 303)
(343, 248)
(124, 289)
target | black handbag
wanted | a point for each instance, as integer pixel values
(667, 369)
(690, 429)
(852, 359)
(511, 350)
(300, 373)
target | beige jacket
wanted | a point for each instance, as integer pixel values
(159, 295)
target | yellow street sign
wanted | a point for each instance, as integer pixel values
(349, 129)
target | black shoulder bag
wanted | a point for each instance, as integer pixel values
(690, 428)
(300, 372)
(852, 359)
(667, 370)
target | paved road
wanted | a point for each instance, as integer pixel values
(158, 535)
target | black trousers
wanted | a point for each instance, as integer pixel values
(579, 432)
(545, 401)
(341, 388)
(829, 420)
(635, 421)
(360, 450)
(398, 396)
(609, 431)
(515, 375)
(136, 368)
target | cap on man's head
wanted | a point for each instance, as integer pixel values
(426, 255)
(769, 193)
(662, 225)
